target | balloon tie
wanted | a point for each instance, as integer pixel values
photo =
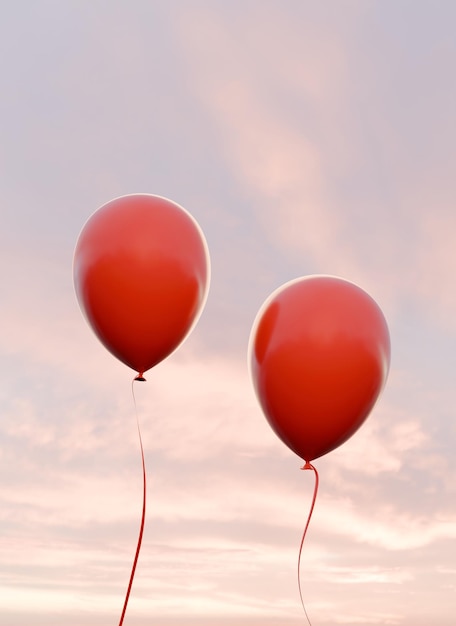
(141, 530)
(307, 466)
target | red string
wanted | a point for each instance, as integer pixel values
(141, 530)
(311, 467)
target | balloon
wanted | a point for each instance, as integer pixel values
(141, 274)
(319, 355)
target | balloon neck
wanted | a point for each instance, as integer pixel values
(307, 466)
(140, 377)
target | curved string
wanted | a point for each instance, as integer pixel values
(307, 466)
(141, 530)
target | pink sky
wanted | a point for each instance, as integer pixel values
(305, 138)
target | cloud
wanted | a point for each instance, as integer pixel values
(390, 530)
(304, 169)
(276, 160)
(437, 261)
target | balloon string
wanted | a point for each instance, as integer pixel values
(311, 467)
(141, 530)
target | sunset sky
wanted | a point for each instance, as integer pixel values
(305, 137)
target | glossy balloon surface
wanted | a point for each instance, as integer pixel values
(319, 356)
(141, 275)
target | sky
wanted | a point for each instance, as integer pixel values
(305, 138)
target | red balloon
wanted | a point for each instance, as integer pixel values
(141, 275)
(319, 356)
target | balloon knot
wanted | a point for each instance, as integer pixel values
(140, 377)
(307, 466)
